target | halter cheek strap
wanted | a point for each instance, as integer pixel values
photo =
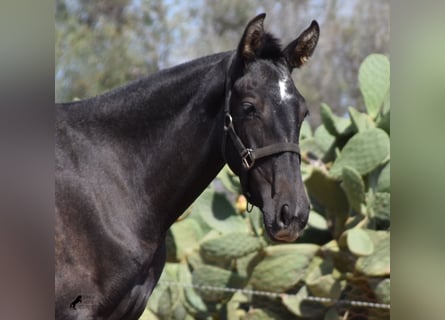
(248, 155)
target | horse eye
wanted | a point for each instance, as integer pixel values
(248, 107)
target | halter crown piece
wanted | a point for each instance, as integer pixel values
(249, 155)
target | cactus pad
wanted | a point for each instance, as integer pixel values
(361, 121)
(229, 246)
(207, 275)
(378, 263)
(359, 242)
(364, 152)
(334, 124)
(354, 187)
(373, 77)
(280, 272)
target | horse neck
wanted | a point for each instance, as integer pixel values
(170, 125)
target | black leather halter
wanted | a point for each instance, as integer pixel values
(248, 155)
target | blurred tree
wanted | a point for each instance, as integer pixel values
(102, 44)
(350, 31)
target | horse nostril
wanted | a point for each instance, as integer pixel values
(285, 215)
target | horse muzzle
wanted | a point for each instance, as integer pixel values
(288, 223)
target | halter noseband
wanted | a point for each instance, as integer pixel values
(248, 155)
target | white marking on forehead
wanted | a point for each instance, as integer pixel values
(282, 84)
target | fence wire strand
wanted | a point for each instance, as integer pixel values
(351, 303)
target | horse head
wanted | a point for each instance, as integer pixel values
(264, 112)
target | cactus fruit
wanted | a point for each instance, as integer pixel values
(241, 204)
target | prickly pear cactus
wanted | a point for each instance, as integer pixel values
(373, 77)
(230, 246)
(364, 152)
(211, 276)
(354, 187)
(281, 269)
(335, 125)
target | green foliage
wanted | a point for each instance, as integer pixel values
(224, 218)
(100, 45)
(359, 242)
(229, 246)
(282, 267)
(335, 125)
(360, 121)
(342, 254)
(301, 307)
(208, 275)
(323, 280)
(376, 264)
(383, 182)
(373, 77)
(354, 187)
(364, 152)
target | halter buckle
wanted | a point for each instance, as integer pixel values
(247, 158)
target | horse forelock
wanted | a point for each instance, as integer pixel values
(270, 48)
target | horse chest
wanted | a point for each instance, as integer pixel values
(132, 305)
(133, 302)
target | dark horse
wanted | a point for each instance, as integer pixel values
(129, 162)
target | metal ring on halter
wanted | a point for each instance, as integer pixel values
(227, 121)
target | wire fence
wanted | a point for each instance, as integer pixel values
(352, 303)
(347, 308)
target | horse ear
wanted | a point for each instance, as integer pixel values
(301, 49)
(252, 39)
